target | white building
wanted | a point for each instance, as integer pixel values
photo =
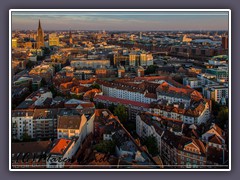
(219, 93)
(72, 126)
(207, 78)
(192, 82)
(22, 124)
(78, 64)
(196, 114)
(122, 93)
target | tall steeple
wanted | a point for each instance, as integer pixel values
(40, 36)
(39, 24)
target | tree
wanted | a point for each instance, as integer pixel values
(120, 111)
(95, 86)
(105, 147)
(30, 64)
(215, 107)
(26, 137)
(100, 105)
(43, 82)
(151, 69)
(151, 143)
(111, 108)
(222, 116)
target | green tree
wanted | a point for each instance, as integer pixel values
(111, 108)
(26, 137)
(95, 86)
(151, 69)
(43, 82)
(120, 111)
(215, 107)
(100, 105)
(105, 147)
(222, 116)
(151, 143)
(30, 64)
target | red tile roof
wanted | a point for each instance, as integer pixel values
(61, 146)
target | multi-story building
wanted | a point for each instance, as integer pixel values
(53, 39)
(193, 82)
(206, 78)
(194, 113)
(45, 123)
(221, 73)
(78, 64)
(182, 152)
(225, 42)
(218, 93)
(167, 91)
(14, 43)
(175, 149)
(126, 91)
(22, 124)
(72, 123)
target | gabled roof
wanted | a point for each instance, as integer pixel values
(215, 139)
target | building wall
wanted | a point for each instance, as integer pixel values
(124, 94)
(21, 125)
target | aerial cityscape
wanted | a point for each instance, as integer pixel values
(131, 90)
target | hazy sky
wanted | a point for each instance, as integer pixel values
(139, 21)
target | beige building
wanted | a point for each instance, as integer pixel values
(53, 39)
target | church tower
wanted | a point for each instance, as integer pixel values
(40, 36)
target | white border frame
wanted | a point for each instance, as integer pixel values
(117, 10)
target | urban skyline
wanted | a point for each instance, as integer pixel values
(122, 21)
(106, 99)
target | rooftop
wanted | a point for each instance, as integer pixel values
(61, 146)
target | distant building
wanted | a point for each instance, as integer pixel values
(140, 71)
(80, 64)
(53, 39)
(14, 43)
(225, 42)
(70, 37)
(192, 82)
(216, 92)
(121, 72)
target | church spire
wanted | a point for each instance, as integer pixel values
(39, 25)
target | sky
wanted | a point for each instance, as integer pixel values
(122, 21)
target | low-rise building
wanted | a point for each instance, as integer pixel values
(62, 152)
